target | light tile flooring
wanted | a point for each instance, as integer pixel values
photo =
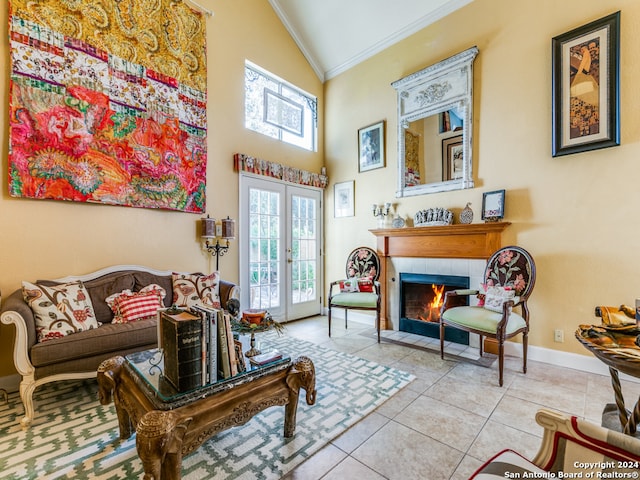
(453, 416)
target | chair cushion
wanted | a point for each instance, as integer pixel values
(507, 464)
(479, 318)
(356, 300)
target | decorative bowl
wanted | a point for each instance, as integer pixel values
(255, 316)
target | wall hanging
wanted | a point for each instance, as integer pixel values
(586, 97)
(108, 102)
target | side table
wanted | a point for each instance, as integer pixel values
(617, 347)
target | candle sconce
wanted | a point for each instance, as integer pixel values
(383, 214)
(213, 231)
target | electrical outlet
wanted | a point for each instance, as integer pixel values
(558, 336)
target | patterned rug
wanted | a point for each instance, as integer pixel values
(74, 437)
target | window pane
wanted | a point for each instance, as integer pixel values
(291, 114)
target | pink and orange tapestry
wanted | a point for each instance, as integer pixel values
(108, 102)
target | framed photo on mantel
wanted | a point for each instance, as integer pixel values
(586, 93)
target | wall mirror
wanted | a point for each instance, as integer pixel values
(435, 114)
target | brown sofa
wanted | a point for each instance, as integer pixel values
(78, 356)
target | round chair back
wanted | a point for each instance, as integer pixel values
(363, 262)
(512, 267)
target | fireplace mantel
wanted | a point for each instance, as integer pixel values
(473, 241)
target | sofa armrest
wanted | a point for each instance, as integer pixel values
(228, 290)
(16, 311)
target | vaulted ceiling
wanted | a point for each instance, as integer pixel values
(335, 35)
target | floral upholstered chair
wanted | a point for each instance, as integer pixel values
(510, 275)
(360, 289)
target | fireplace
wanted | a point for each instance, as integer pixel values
(421, 297)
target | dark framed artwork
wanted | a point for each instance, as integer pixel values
(452, 158)
(371, 147)
(586, 93)
(493, 206)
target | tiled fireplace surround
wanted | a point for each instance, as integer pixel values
(460, 250)
(472, 268)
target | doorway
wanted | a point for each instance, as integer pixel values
(280, 248)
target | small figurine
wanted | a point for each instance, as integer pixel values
(466, 215)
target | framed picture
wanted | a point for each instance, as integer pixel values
(371, 147)
(493, 206)
(343, 199)
(586, 94)
(452, 158)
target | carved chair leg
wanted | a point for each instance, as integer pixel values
(501, 359)
(441, 340)
(378, 324)
(481, 345)
(329, 318)
(346, 312)
(525, 343)
(27, 387)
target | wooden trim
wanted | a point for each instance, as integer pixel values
(453, 241)
(474, 241)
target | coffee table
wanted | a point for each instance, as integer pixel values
(171, 424)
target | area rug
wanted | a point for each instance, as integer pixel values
(74, 437)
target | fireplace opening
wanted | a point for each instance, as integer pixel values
(421, 297)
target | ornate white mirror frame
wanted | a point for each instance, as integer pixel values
(444, 87)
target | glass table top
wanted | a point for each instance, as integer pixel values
(147, 368)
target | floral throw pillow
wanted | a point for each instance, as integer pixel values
(349, 285)
(59, 310)
(496, 296)
(191, 289)
(129, 306)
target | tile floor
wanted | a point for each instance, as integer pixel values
(453, 416)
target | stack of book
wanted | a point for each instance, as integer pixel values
(198, 346)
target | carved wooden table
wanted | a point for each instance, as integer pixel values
(616, 346)
(170, 425)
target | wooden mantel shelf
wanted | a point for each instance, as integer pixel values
(477, 240)
(473, 241)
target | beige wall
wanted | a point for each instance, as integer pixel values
(576, 214)
(48, 239)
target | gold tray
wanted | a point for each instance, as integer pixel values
(616, 347)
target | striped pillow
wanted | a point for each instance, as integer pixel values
(128, 306)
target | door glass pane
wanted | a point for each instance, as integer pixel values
(265, 243)
(303, 253)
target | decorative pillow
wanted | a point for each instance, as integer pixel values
(191, 289)
(482, 292)
(349, 285)
(365, 284)
(59, 310)
(128, 306)
(496, 296)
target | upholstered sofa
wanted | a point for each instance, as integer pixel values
(572, 447)
(78, 355)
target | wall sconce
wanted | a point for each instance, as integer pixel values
(382, 213)
(223, 230)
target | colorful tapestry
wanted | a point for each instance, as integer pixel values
(108, 102)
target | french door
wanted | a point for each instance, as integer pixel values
(280, 242)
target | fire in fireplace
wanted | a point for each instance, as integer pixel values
(421, 297)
